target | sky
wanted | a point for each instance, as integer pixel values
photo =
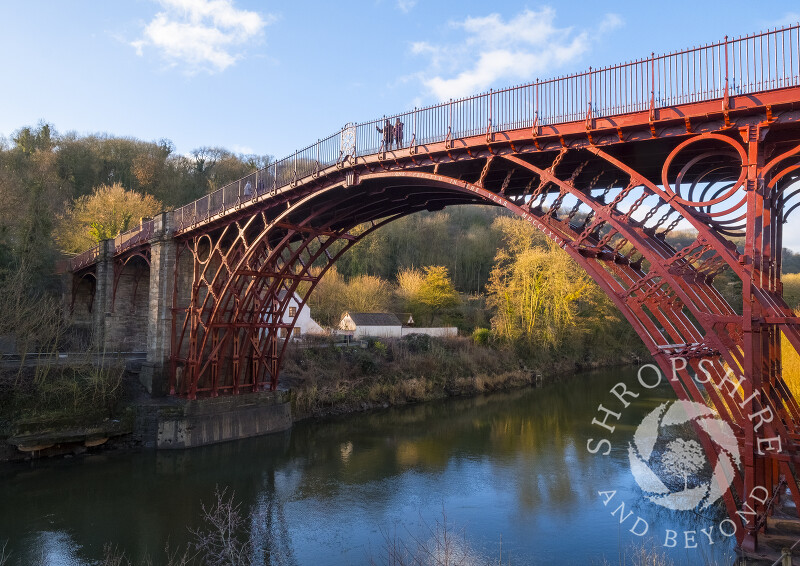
(269, 77)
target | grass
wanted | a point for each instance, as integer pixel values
(327, 379)
(49, 396)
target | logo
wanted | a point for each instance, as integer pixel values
(681, 460)
(683, 456)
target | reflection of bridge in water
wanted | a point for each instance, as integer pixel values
(606, 163)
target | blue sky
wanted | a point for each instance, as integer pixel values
(270, 77)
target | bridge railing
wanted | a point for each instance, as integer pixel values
(744, 65)
(135, 236)
(84, 258)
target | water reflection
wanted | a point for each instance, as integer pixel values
(513, 465)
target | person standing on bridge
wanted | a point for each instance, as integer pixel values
(398, 133)
(248, 190)
(387, 132)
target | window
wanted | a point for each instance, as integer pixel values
(292, 311)
(296, 332)
(283, 333)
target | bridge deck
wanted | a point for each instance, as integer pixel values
(658, 97)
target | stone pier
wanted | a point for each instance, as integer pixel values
(155, 371)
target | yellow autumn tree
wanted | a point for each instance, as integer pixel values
(107, 212)
(534, 287)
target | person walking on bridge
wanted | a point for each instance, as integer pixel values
(387, 132)
(398, 133)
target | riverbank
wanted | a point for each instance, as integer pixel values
(52, 407)
(330, 380)
(74, 410)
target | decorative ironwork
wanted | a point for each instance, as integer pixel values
(640, 149)
(348, 142)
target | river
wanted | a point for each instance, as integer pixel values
(509, 472)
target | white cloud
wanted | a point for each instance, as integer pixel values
(406, 5)
(201, 34)
(610, 22)
(788, 19)
(493, 49)
(242, 149)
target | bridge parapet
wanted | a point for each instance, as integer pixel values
(84, 259)
(740, 66)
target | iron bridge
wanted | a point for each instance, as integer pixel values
(605, 162)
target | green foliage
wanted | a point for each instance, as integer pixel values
(29, 140)
(481, 336)
(60, 396)
(380, 347)
(460, 238)
(42, 172)
(409, 283)
(437, 292)
(791, 290)
(790, 261)
(427, 292)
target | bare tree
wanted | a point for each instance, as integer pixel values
(683, 458)
(112, 556)
(220, 542)
(439, 545)
(4, 555)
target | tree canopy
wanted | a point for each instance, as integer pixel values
(106, 213)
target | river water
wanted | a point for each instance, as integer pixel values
(508, 472)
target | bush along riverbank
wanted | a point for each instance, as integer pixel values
(51, 408)
(328, 379)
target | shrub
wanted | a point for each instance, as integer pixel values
(480, 336)
(417, 342)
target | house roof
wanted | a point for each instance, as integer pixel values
(282, 294)
(374, 319)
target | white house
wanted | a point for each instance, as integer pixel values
(304, 324)
(377, 324)
(386, 325)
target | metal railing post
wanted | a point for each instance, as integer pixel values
(652, 86)
(489, 123)
(726, 93)
(535, 127)
(414, 132)
(448, 138)
(589, 103)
